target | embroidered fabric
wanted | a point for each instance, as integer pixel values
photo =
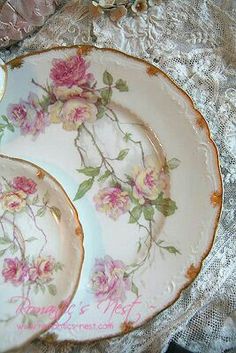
(20, 17)
(194, 42)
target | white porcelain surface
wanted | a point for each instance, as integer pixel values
(145, 234)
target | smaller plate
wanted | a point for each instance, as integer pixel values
(41, 251)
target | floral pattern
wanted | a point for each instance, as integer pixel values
(109, 280)
(73, 100)
(71, 72)
(28, 186)
(14, 271)
(18, 271)
(28, 116)
(13, 201)
(113, 201)
(145, 184)
(20, 195)
(75, 112)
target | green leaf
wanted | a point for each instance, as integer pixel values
(129, 178)
(171, 249)
(55, 211)
(35, 200)
(46, 197)
(58, 266)
(107, 78)
(89, 171)
(52, 289)
(2, 127)
(31, 239)
(104, 176)
(127, 136)
(134, 289)
(2, 252)
(44, 102)
(122, 154)
(114, 183)
(41, 211)
(160, 242)
(121, 85)
(131, 196)
(13, 248)
(101, 111)
(148, 212)
(165, 205)
(106, 94)
(173, 163)
(83, 188)
(139, 246)
(10, 127)
(5, 118)
(5, 240)
(135, 214)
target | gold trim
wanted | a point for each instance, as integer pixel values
(216, 198)
(192, 272)
(78, 231)
(81, 240)
(84, 50)
(207, 130)
(152, 70)
(201, 122)
(40, 174)
(126, 326)
(16, 63)
(50, 337)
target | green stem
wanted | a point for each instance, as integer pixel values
(40, 86)
(116, 120)
(104, 159)
(79, 148)
(141, 263)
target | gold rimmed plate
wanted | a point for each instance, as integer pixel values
(138, 162)
(41, 251)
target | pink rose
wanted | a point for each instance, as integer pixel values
(42, 269)
(113, 201)
(28, 116)
(145, 184)
(24, 184)
(14, 271)
(77, 111)
(72, 71)
(13, 201)
(109, 281)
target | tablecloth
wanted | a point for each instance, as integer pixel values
(195, 43)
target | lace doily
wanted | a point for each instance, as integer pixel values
(194, 42)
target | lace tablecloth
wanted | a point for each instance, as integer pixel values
(195, 43)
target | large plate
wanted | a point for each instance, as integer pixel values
(137, 159)
(40, 241)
